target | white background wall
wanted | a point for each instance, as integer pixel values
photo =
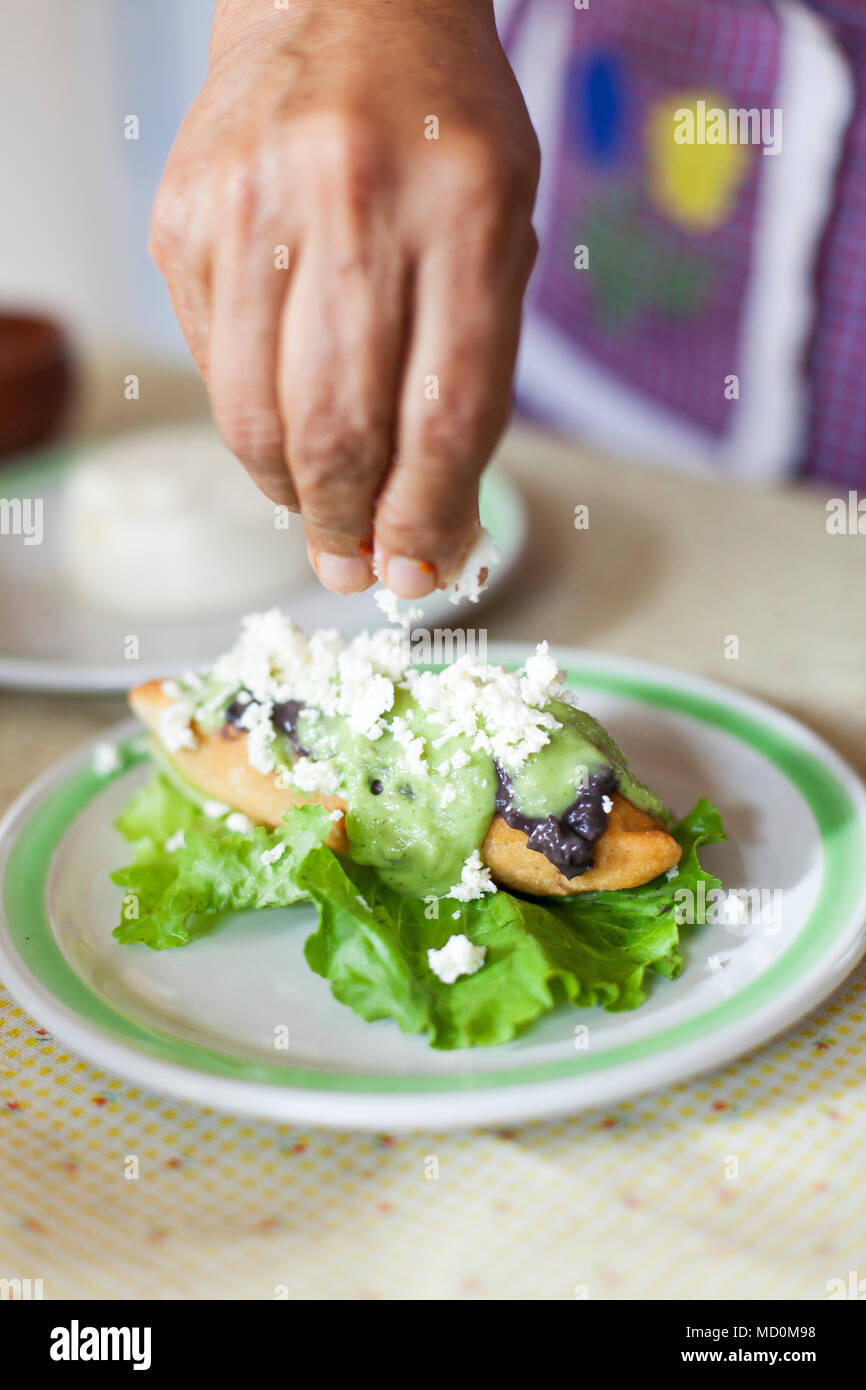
(76, 194)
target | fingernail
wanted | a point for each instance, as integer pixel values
(345, 574)
(410, 578)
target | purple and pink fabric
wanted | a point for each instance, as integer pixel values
(666, 308)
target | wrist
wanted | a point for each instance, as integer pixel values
(237, 21)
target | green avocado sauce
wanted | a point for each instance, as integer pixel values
(419, 830)
(549, 781)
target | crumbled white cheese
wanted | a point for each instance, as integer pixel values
(336, 815)
(488, 708)
(389, 604)
(261, 735)
(471, 582)
(270, 856)
(542, 677)
(457, 957)
(176, 841)
(457, 760)
(488, 705)
(307, 775)
(215, 810)
(672, 873)
(456, 915)
(413, 746)
(447, 795)
(475, 880)
(606, 805)
(106, 759)
(364, 693)
(239, 822)
(175, 730)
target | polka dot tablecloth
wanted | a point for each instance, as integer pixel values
(745, 1184)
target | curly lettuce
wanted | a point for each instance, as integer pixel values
(371, 942)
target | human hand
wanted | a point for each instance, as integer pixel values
(367, 383)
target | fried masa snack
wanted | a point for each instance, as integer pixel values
(473, 845)
(633, 847)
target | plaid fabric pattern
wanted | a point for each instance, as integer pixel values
(662, 305)
(837, 366)
(672, 326)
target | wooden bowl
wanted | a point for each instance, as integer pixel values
(35, 380)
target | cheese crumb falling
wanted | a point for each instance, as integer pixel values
(606, 805)
(176, 841)
(106, 759)
(457, 957)
(215, 810)
(389, 604)
(239, 822)
(475, 880)
(471, 582)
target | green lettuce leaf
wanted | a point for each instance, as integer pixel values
(371, 942)
(173, 896)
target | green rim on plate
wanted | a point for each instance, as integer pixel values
(843, 840)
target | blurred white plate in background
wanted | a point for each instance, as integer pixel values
(70, 606)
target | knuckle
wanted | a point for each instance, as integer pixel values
(336, 455)
(240, 184)
(254, 436)
(421, 531)
(346, 149)
(169, 225)
(450, 434)
(487, 194)
(495, 176)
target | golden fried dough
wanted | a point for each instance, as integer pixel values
(218, 767)
(634, 848)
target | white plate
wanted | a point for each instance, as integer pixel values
(200, 1022)
(51, 640)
